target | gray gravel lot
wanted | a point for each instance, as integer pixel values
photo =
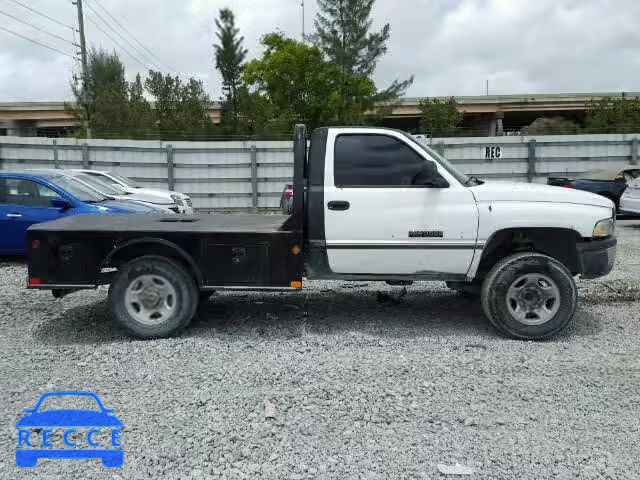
(356, 388)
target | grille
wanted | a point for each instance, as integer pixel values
(188, 202)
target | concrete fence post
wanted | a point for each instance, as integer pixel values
(531, 165)
(56, 161)
(634, 151)
(85, 156)
(254, 177)
(440, 148)
(171, 178)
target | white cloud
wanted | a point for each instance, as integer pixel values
(452, 46)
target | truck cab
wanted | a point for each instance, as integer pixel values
(381, 203)
(382, 206)
(368, 204)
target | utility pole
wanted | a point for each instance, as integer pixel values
(85, 67)
(304, 36)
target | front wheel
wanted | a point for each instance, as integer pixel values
(529, 296)
(153, 297)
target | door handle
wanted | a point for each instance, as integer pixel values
(14, 215)
(338, 205)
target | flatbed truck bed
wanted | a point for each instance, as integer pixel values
(220, 250)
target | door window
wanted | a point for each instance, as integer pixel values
(379, 161)
(17, 191)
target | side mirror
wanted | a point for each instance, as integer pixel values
(429, 177)
(61, 203)
(437, 182)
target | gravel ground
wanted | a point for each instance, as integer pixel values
(338, 383)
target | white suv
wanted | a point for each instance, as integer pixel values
(178, 202)
(630, 200)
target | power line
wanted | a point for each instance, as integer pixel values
(41, 14)
(37, 28)
(36, 42)
(115, 41)
(124, 39)
(133, 37)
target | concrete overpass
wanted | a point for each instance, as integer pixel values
(483, 115)
(492, 115)
(48, 119)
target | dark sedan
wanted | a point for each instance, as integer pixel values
(608, 182)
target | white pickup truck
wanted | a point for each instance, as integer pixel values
(377, 205)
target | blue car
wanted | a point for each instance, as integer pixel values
(36, 430)
(27, 198)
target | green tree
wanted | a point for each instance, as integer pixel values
(299, 83)
(102, 99)
(141, 117)
(180, 107)
(230, 57)
(343, 32)
(614, 115)
(440, 118)
(257, 114)
(109, 105)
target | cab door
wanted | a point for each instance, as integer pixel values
(24, 202)
(391, 209)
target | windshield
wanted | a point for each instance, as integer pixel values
(69, 402)
(100, 185)
(127, 182)
(78, 189)
(460, 177)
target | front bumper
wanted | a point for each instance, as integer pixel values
(182, 209)
(597, 257)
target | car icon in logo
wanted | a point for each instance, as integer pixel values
(36, 433)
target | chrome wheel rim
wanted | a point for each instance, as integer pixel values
(150, 299)
(533, 299)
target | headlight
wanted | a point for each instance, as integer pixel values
(604, 228)
(177, 199)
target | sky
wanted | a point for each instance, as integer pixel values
(451, 47)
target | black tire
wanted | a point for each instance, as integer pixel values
(504, 275)
(184, 303)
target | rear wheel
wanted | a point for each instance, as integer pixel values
(153, 297)
(529, 296)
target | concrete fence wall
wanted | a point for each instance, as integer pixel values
(250, 176)
(533, 159)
